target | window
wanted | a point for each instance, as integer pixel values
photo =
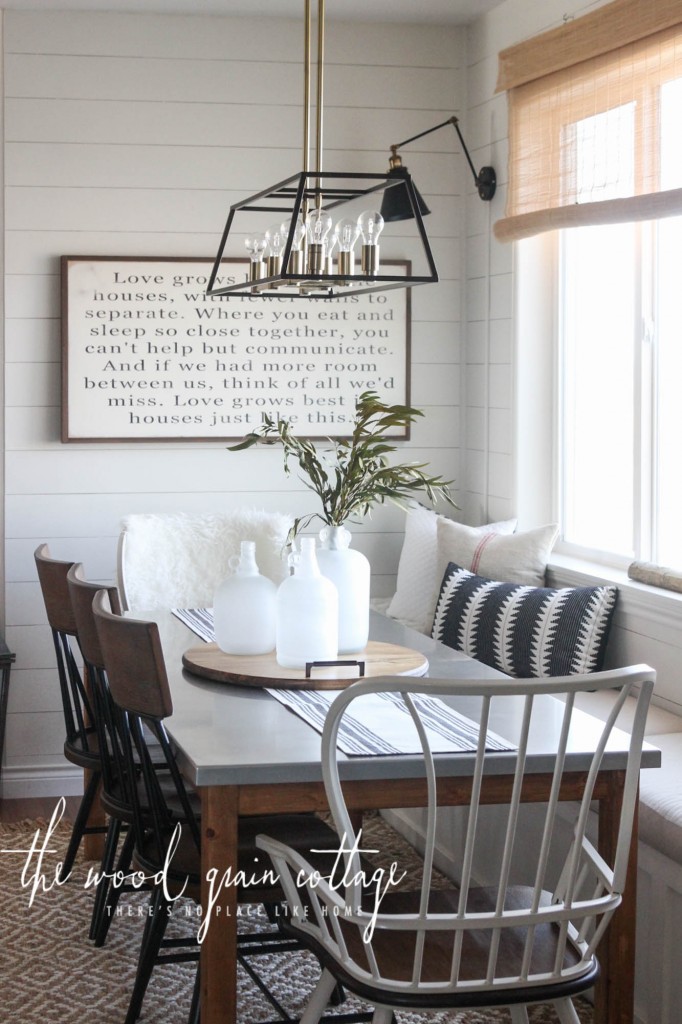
(620, 325)
(595, 158)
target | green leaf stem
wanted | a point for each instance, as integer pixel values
(354, 474)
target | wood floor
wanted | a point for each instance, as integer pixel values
(36, 807)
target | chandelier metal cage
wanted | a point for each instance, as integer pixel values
(295, 255)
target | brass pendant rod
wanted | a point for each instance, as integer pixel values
(320, 83)
(306, 89)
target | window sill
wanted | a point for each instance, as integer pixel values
(653, 604)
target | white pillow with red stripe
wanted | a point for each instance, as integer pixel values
(419, 572)
(516, 558)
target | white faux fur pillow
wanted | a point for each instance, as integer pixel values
(418, 582)
(176, 560)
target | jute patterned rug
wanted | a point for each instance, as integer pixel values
(52, 974)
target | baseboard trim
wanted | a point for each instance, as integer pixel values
(44, 780)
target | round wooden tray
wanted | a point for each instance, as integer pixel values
(380, 659)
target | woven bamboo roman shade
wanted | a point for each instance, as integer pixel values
(586, 106)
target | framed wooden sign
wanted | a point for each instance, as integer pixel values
(147, 356)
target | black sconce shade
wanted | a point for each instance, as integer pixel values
(396, 204)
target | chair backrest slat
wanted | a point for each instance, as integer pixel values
(76, 704)
(52, 577)
(138, 683)
(81, 595)
(131, 649)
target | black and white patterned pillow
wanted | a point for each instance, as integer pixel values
(524, 631)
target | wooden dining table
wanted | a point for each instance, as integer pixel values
(248, 754)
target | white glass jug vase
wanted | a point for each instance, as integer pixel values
(307, 612)
(349, 571)
(244, 607)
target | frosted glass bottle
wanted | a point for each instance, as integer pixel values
(349, 572)
(307, 612)
(244, 608)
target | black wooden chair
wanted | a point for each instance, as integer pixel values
(136, 674)
(81, 745)
(114, 797)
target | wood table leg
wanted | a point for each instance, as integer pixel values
(615, 991)
(219, 826)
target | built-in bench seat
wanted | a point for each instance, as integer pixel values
(660, 798)
(660, 792)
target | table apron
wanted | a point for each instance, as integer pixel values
(366, 794)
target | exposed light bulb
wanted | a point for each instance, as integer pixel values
(296, 264)
(275, 237)
(299, 234)
(329, 259)
(347, 231)
(318, 224)
(255, 246)
(370, 226)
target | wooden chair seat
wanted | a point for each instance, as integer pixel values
(83, 749)
(115, 798)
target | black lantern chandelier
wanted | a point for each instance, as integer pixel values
(323, 237)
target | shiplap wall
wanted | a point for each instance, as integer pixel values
(130, 135)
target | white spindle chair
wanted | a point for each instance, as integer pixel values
(524, 937)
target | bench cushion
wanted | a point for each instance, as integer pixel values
(660, 798)
(660, 792)
(659, 721)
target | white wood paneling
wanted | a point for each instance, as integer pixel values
(148, 209)
(238, 39)
(241, 83)
(69, 515)
(100, 165)
(35, 690)
(131, 135)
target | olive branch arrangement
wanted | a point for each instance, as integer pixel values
(354, 474)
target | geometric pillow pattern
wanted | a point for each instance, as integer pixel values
(524, 631)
